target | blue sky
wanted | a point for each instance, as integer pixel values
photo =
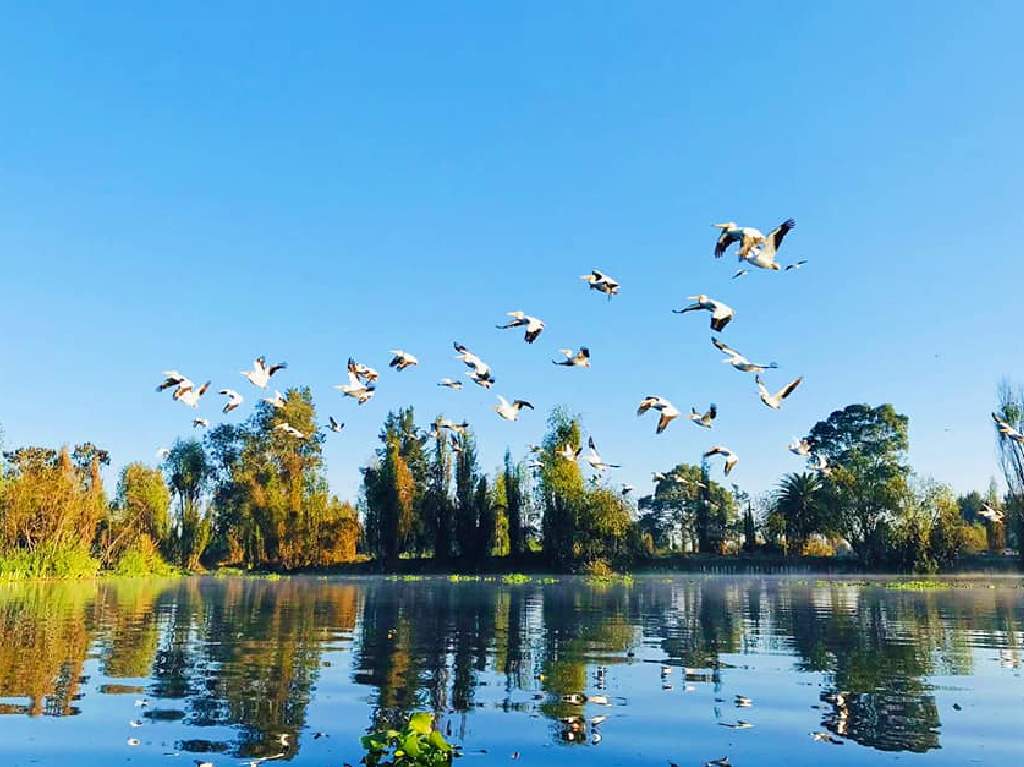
(192, 187)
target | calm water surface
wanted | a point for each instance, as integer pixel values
(227, 666)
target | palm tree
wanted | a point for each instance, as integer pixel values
(799, 502)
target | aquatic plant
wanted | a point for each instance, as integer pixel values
(516, 578)
(418, 744)
(916, 585)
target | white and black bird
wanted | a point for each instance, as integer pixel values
(199, 422)
(800, 447)
(1007, 430)
(456, 443)
(356, 388)
(402, 360)
(601, 282)
(485, 380)
(333, 425)
(731, 459)
(191, 395)
(821, 465)
(738, 361)
(704, 419)
(291, 431)
(260, 374)
(721, 313)
(510, 411)
(532, 326)
(473, 362)
(278, 400)
(749, 238)
(593, 458)
(579, 359)
(796, 265)
(174, 379)
(666, 410)
(992, 515)
(741, 273)
(774, 401)
(364, 373)
(234, 400)
(450, 383)
(568, 452)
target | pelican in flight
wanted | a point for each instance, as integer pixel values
(402, 360)
(666, 409)
(199, 422)
(532, 325)
(472, 361)
(703, 419)
(1006, 429)
(364, 373)
(359, 390)
(731, 459)
(568, 452)
(485, 380)
(234, 400)
(738, 361)
(175, 379)
(749, 238)
(800, 447)
(277, 400)
(992, 515)
(580, 359)
(774, 401)
(601, 282)
(594, 458)
(821, 465)
(450, 383)
(796, 264)
(741, 273)
(191, 395)
(260, 374)
(444, 423)
(721, 314)
(291, 431)
(333, 424)
(510, 412)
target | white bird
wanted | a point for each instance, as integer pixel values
(356, 388)
(199, 423)
(667, 410)
(821, 465)
(796, 264)
(175, 379)
(402, 360)
(601, 282)
(291, 431)
(1006, 429)
(163, 453)
(364, 373)
(260, 374)
(800, 447)
(741, 273)
(749, 238)
(731, 459)
(532, 325)
(484, 380)
(191, 395)
(535, 464)
(510, 412)
(704, 419)
(333, 424)
(456, 444)
(234, 400)
(568, 452)
(450, 383)
(472, 361)
(580, 359)
(277, 400)
(594, 458)
(774, 401)
(738, 361)
(721, 314)
(992, 515)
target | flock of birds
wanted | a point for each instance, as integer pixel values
(755, 250)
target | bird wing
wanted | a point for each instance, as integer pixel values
(788, 389)
(521, 403)
(725, 348)
(712, 412)
(663, 422)
(776, 235)
(274, 368)
(725, 239)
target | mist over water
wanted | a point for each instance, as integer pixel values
(226, 666)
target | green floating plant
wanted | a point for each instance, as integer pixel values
(418, 744)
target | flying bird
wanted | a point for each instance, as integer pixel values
(473, 362)
(731, 459)
(234, 400)
(260, 374)
(333, 424)
(821, 465)
(402, 360)
(601, 282)
(291, 431)
(703, 419)
(361, 391)
(748, 237)
(721, 314)
(199, 422)
(666, 409)
(738, 361)
(580, 359)
(364, 373)
(455, 443)
(191, 395)
(992, 515)
(796, 264)
(741, 273)
(594, 458)
(485, 380)
(627, 489)
(568, 452)
(175, 379)
(1006, 429)
(532, 325)
(277, 400)
(450, 383)
(774, 401)
(510, 412)
(800, 447)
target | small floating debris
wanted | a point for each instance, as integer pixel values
(134, 742)
(141, 703)
(135, 723)
(742, 701)
(574, 698)
(723, 762)
(599, 700)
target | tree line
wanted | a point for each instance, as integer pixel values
(255, 495)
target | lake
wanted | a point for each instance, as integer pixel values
(149, 672)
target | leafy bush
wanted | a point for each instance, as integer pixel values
(142, 559)
(418, 744)
(48, 561)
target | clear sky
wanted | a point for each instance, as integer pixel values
(192, 185)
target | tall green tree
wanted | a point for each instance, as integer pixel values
(516, 509)
(467, 517)
(800, 502)
(141, 511)
(188, 473)
(561, 488)
(866, 448)
(1010, 409)
(437, 502)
